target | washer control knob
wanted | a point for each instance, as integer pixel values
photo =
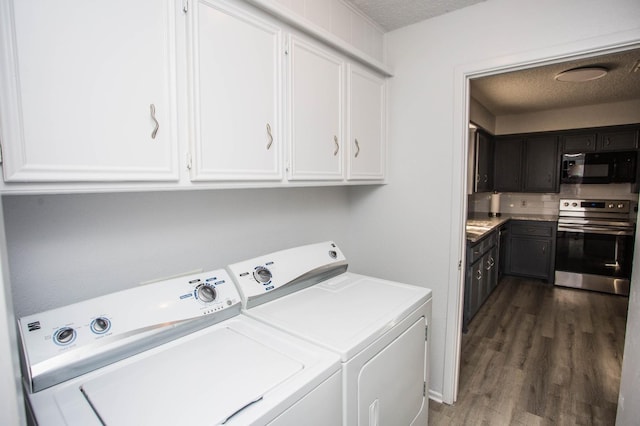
(574, 204)
(64, 336)
(206, 293)
(610, 205)
(620, 205)
(566, 204)
(100, 325)
(262, 275)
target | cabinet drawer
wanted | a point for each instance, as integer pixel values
(618, 141)
(534, 229)
(481, 247)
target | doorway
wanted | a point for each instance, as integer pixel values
(464, 75)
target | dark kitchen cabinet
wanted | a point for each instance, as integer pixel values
(622, 140)
(527, 164)
(542, 163)
(579, 142)
(484, 162)
(531, 249)
(481, 274)
(508, 160)
(619, 138)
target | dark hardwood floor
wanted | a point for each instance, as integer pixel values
(536, 354)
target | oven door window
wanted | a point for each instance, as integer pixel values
(597, 254)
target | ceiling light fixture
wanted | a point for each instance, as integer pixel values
(582, 74)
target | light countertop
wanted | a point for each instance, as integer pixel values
(480, 224)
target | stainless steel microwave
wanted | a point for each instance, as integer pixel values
(599, 167)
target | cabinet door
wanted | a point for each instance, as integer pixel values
(484, 162)
(508, 158)
(236, 74)
(579, 142)
(530, 256)
(315, 112)
(542, 164)
(621, 140)
(366, 125)
(89, 90)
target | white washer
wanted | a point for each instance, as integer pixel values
(173, 352)
(379, 328)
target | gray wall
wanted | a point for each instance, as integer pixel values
(66, 248)
(418, 214)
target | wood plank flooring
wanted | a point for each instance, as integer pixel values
(536, 354)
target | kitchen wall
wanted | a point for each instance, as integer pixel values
(411, 229)
(66, 248)
(528, 203)
(607, 114)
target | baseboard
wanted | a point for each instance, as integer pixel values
(435, 396)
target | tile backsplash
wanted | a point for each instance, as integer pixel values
(528, 203)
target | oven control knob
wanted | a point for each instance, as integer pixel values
(206, 293)
(610, 205)
(620, 205)
(100, 325)
(574, 204)
(64, 336)
(262, 275)
(566, 204)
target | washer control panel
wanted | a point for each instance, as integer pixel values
(267, 277)
(60, 339)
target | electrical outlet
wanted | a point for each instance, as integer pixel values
(523, 203)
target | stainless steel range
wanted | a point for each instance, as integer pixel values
(594, 247)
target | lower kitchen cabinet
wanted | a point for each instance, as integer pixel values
(531, 249)
(482, 274)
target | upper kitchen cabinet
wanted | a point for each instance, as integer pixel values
(89, 90)
(526, 164)
(484, 152)
(618, 140)
(508, 159)
(613, 138)
(315, 112)
(579, 142)
(236, 102)
(542, 163)
(366, 121)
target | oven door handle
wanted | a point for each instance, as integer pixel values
(586, 229)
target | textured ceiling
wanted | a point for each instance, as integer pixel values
(523, 91)
(393, 14)
(536, 89)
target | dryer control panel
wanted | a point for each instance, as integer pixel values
(274, 275)
(65, 342)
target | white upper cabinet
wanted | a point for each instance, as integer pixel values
(366, 103)
(316, 99)
(88, 90)
(236, 102)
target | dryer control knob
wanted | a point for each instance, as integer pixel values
(262, 275)
(206, 293)
(64, 336)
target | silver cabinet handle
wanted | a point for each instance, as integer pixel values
(153, 117)
(270, 136)
(335, 140)
(479, 274)
(357, 149)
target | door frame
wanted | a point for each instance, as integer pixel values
(591, 47)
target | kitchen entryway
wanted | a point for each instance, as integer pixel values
(539, 354)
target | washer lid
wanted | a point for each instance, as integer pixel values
(182, 385)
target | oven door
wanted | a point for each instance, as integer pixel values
(594, 258)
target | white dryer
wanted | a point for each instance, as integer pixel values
(378, 327)
(173, 352)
